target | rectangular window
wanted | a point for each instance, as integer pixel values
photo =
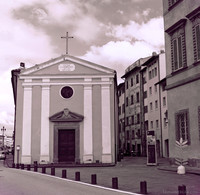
(152, 73)
(164, 101)
(126, 101)
(138, 118)
(156, 104)
(182, 125)
(155, 71)
(123, 108)
(127, 135)
(133, 134)
(131, 82)
(151, 124)
(155, 87)
(132, 120)
(137, 78)
(126, 84)
(127, 121)
(131, 99)
(145, 109)
(177, 53)
(138, 133)
(150, 91)
(137, 97)
(149, 75)
(119, 110)
(157, 124)
(145, 94)
(151, 106)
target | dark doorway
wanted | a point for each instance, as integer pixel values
(66, 145)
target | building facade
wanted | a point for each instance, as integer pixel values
(132, 116)
(182, 45)
(154, 100)
(66, 111)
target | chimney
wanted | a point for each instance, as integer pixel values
(22, 65)
(162, 51)
(154, 53)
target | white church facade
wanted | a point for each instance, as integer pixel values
(65, 112)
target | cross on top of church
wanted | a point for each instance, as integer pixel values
(66, 37)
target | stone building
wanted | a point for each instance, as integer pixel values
(182, 46)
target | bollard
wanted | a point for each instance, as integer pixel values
(13, 165)
(93, 179)
(17, 166)
(35, 168)
(28, 167)
(22, 166)
(43, 170)
(52, 170)
(143, 187)
(115, 183)
(77, 176)
(182, 190)
(64, 174)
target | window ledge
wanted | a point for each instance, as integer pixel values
(196, 63)
(174, 5)
(179, 71)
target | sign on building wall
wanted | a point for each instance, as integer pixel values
(151, 148)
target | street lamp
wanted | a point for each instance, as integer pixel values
(3, 129)
(18, 149)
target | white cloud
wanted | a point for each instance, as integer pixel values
(118, 55)
(151, 32)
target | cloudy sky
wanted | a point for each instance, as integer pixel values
(112, 33)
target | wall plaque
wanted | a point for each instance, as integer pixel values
(66, 67)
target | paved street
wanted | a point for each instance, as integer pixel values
(130, 171)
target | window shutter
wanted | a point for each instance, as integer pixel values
(180, 55)
(187, 127)
(198, 41)
(177, 127)
(184, 58)
(175, 54)
(172, 56)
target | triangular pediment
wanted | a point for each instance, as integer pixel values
(67, 65)
(66, 116)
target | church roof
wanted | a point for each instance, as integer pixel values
(64, 58)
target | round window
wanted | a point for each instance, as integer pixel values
(66, 92)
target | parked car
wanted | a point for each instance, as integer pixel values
(2, 155)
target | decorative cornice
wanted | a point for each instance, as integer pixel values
(66, 116)
(176, 26)
(194, 13)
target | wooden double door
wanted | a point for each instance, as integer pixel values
(66, 145)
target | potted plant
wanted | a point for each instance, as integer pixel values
(180, 160)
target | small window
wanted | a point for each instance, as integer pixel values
(137, 97)
(145, 109)
(151, 124)
(133, 134)
(150, 90)
(126, 101)
(137, 78)
(155, 70)
(145, 94)
(155, 87)
(123, 108)
(126, 84)
(151, 106)
(131, 82)
(157, 124)
(132, 99)
(156, 104)
(132, 120)
(150, 75)
(164, 101)
(138, 118)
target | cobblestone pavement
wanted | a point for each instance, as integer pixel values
(131, 171)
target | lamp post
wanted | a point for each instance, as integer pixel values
(3, 129)
(18, 149)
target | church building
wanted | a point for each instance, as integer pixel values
(65, 112)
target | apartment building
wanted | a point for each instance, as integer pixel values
(154, 101)
(121, 110)
(132, 115)
(182, 46)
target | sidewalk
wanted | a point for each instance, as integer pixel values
(161, 179)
